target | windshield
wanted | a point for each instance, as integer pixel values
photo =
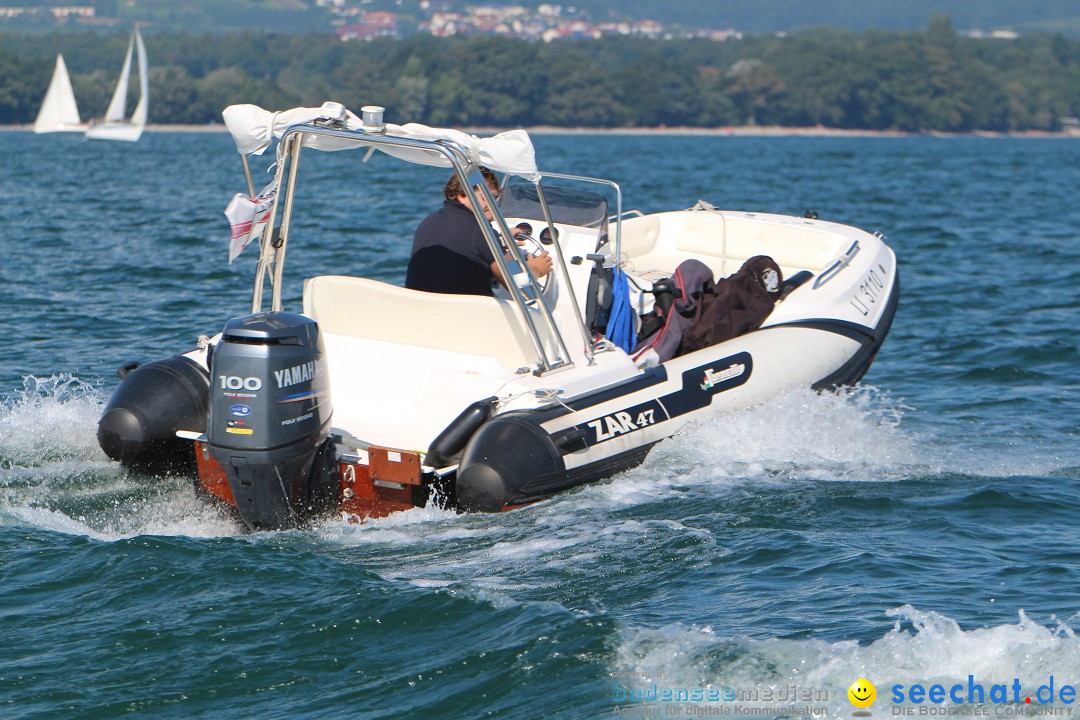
(568, 206)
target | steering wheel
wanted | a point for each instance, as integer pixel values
(531, 247)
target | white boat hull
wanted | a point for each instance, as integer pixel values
(122, 132)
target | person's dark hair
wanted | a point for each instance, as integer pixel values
(453, 188)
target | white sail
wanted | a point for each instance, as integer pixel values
(118, 104)
(138, 117)
(114, 126)
(59, 112)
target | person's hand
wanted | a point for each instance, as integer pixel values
(521, 232)
(540, 265)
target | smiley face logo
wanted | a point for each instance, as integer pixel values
(862, 693)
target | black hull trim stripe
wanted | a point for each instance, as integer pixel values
(699, 385)
(651, 376)
(656, 375)
(854, 331)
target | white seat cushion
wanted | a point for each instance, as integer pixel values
(363, 308)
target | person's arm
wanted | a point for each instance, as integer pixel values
(497, 272)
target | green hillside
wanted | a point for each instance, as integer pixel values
(935, 79)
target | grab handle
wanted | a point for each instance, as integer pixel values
(834, 269)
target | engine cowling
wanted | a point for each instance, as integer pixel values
(269, 416)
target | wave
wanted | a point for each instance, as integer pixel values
(923, 647)
(653, 522)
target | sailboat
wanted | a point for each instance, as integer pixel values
(59, 112)
(114, 126)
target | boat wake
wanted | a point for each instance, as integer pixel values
(643, 520)
(854, 434)
(54, 476)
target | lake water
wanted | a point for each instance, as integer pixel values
(919, 529)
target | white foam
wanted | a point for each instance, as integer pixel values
(54, 476)
(53, 520)
(50, 419)
(170, 512)
(405, 527)
(177, 511)
(852, 434)
(116, 506)
(922, 647)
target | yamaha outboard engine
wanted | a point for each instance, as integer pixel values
(269, 416)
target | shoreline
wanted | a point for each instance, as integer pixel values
(726, 131)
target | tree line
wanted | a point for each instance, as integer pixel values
(933, 80)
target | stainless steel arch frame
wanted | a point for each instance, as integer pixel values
(443, 153)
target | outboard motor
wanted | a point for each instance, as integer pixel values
(269, 415)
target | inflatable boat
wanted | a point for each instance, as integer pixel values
(370, 398)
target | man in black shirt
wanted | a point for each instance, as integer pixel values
(449, 251)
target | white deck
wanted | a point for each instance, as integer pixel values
(654, 245)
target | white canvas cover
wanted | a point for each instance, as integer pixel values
(507, 152)
(254, 129)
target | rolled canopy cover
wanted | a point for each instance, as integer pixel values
(254, 129)
(507, 152)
